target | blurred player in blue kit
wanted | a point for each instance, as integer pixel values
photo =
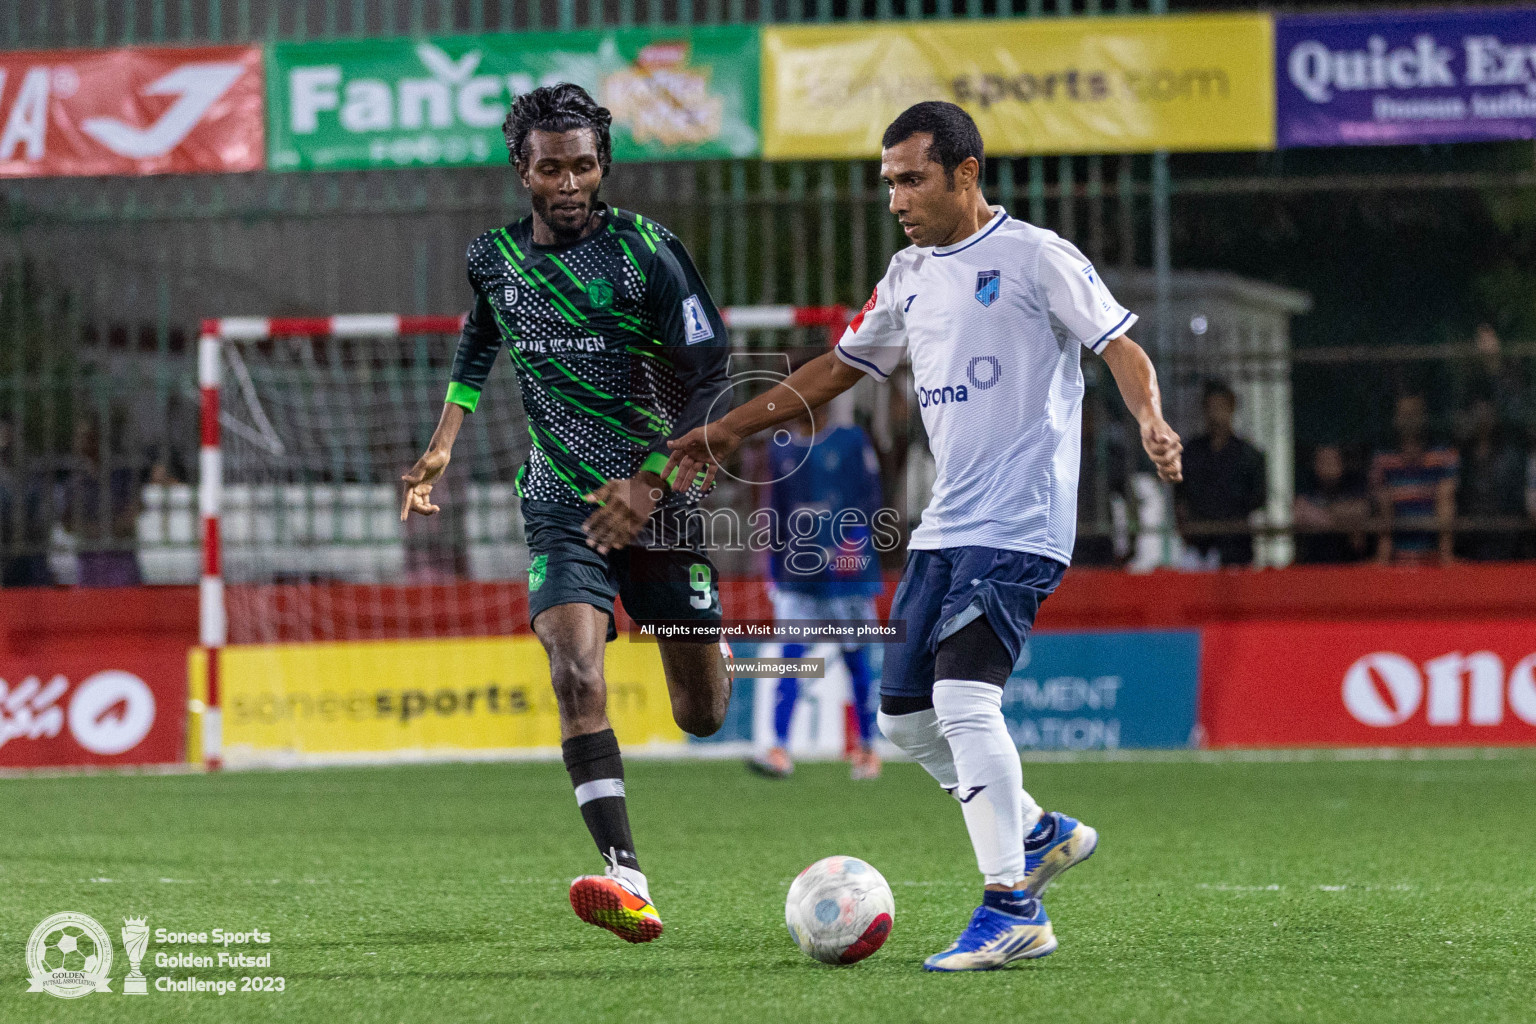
(824, 496)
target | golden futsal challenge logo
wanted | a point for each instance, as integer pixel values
(69, 955)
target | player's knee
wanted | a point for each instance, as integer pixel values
(701, 725)
(699, 717)
(908, 722)
(578, 686)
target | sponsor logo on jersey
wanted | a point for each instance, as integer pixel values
(509, 295)
(941, 396)
(696, 323)
(988, 286)
(555, 346)
(984, 372)
(600, 293)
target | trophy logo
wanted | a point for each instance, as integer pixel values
(135, 941)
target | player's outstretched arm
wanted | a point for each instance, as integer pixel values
(811, 386)
(420, 478)
(1137, 379)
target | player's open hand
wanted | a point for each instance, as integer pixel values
(1164, 449)
(419, 481)
(626, 505)
(702, 449)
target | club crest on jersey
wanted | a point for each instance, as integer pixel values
(988, 284)
(600, 293)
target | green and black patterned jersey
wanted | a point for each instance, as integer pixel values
(617, 346)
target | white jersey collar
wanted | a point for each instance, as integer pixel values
(998, 216)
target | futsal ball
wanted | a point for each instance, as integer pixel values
(839, 910)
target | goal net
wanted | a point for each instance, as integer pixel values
(331, 627)
(317, 420)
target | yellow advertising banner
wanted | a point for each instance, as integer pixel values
(419, 698)
(1041, 85)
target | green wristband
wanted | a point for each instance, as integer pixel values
(463, 395)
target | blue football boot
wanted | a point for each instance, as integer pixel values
(1059, 842)
(995, 939)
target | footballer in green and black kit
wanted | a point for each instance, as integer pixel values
(618, 348)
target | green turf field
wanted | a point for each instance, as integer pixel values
(1236, 891)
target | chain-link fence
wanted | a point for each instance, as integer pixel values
(104, 281)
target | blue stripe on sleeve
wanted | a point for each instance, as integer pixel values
(1113, 332)
(850, 357)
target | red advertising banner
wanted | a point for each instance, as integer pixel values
(94, 677)
(166, 110)
(1369, 684)
(122, 704)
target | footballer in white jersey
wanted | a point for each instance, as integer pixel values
(993, 314)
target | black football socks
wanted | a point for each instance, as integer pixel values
(597, 772)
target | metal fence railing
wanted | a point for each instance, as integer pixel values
(94, 488)
(103, 281)
(42, 24)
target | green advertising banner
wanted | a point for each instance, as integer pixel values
(680, 95)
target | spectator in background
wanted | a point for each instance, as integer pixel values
(1492, 485)
(101, 508)
(23, 522)
(1224, 483)
(1495, 377)
(1413, 486)
(1103, 488)
(1329, 514)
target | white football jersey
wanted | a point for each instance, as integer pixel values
(993, 325)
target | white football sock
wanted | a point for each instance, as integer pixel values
(991, 782)
(919, 735)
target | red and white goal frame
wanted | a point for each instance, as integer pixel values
(213, 621)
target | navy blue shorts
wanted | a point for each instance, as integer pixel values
(944, 591)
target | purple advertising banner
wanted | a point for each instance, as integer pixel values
(1406, 77)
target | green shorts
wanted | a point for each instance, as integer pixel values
(656, 584)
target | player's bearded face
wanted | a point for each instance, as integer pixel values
(563, 176)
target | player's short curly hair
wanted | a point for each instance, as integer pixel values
(955, 135)
(557, 108)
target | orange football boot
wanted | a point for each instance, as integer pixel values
(609, 903)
